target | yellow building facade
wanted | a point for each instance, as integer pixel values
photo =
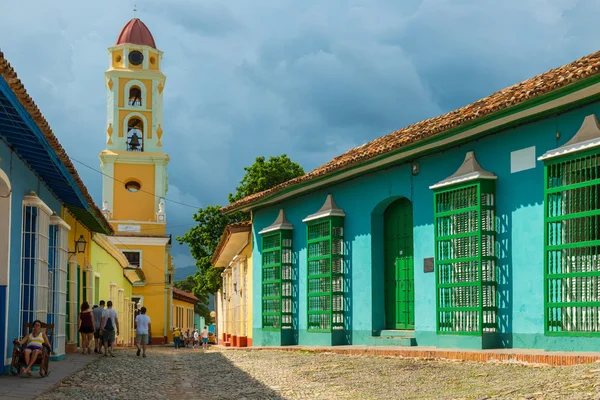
(234, 301)
(97, 270)
(135, 184)
(183, 310)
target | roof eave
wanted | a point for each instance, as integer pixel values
(427, 145)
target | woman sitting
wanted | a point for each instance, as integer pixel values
(35, 341)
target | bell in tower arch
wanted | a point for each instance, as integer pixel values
(135, 137)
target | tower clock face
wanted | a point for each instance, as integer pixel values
(136, 58)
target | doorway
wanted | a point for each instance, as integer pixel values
(398, 266)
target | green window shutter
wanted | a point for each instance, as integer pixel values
(572, 244)
(325, 274)
(277, 275)
(325, 260)
(465, 251)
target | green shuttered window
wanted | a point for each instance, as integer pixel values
(572, 245)
(277, 299)
(465, 258)
(325, 253)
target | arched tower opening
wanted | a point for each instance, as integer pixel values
(135, 134)
(135, 96)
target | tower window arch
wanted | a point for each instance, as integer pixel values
(135, 96)
(135, 134)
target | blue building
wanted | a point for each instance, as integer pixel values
(38, 185)
(479, 228)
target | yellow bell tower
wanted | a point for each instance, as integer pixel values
(135, 169)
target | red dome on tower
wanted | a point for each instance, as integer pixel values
(136, 32)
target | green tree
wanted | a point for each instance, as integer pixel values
(205, 236)
(263, 175)
(190, 285)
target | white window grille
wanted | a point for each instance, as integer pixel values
(57, 281)
(34, 261)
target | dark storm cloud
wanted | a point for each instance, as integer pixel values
(310, 79)
(209, 18)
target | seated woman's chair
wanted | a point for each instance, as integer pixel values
(43, 359)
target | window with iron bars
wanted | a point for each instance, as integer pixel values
(57, 284)
(465, 258)
(572, 245)
(34, 265)
(276, 280)
(325, 261)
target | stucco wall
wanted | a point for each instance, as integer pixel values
(23, 180)
(520, 236)
(108, 270)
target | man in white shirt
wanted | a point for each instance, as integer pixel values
(142, 330)
(196, 336)
(205, 338)
(109, 327)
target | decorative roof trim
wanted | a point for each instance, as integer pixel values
(32, 200)
(111, 249)
(245, 226)
(329, 209)
(574, 82)
(587, 137)
(138, 240)
(468, 171)
(281, 223)
(56, 220)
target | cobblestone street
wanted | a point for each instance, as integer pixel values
(194, 374)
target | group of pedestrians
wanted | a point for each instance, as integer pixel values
(99, 326)
(185, 338)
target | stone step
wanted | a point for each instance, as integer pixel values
(397, 332)
(393, 341)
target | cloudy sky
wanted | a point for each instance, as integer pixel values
(308, 78)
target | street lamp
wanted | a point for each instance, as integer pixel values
(79, 245)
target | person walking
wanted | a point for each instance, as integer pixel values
(205, 338)
(142, 330)
(186, 338)
(98, 312)
(86, 327)
(109, 327)
(196, 336)
(177, 337)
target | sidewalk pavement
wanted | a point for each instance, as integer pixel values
(15, 387)
(507, 355)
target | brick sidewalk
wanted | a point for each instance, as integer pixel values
(520, 355)
(14, 387)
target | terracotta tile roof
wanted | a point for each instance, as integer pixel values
(545, 83)
(184, 296)
(229, 229)
(10, 76)
(135, 32)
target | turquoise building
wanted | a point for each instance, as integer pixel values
(38, 184)
(479, 228)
